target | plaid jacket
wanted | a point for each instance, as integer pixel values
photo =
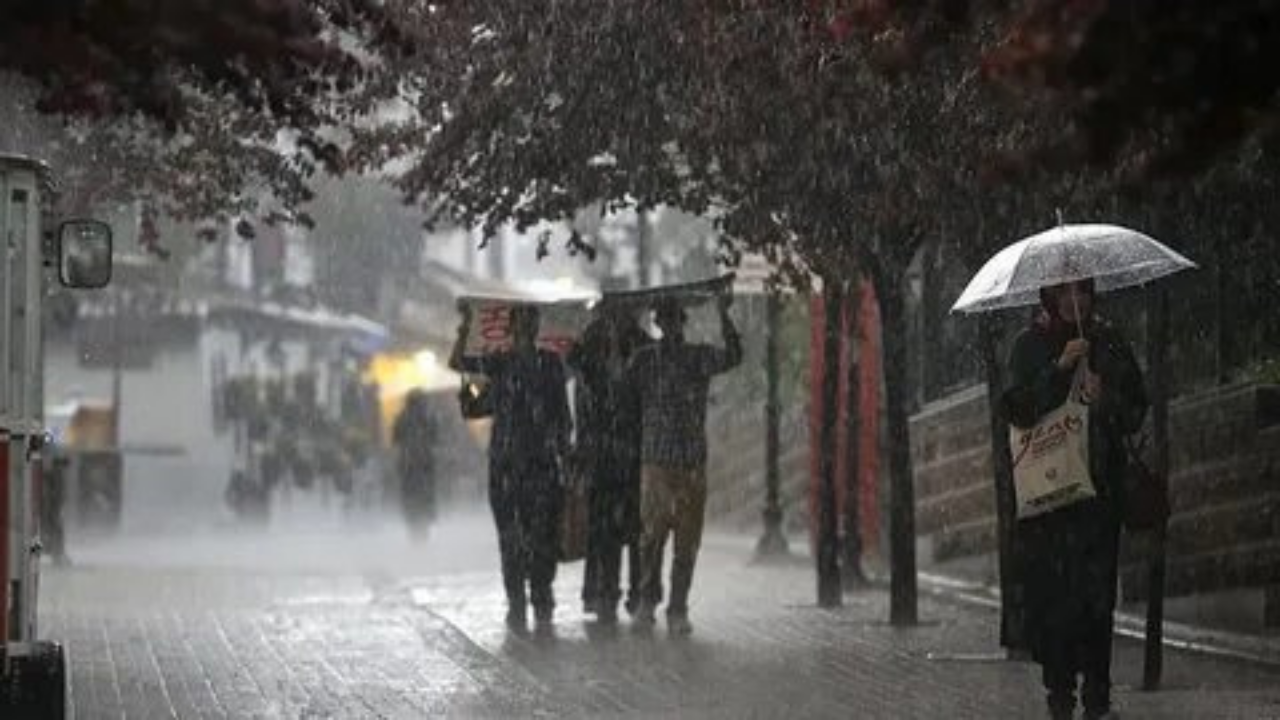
(673, 380)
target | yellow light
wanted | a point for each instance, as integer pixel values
(397, 374)
(428, 364)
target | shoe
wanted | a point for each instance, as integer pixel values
(544, 614)
(643, 615)
(518, 619)
(607, 614)
(1108, 715)
(678, 624)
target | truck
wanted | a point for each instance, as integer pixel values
(37, 247)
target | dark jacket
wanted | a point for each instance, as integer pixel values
(1067, 559)
(415, 436)
(609, 416)
(531, 419)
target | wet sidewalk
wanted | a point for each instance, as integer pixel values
(419, 634)
(761, 648)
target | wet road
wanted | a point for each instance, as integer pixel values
(324, 620)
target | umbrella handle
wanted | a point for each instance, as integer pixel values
(1078, 380)
(1075, 305)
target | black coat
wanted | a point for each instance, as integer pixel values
(609, 408)
(1066, 560)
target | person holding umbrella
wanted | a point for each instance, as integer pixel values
(1070, 555)
(1074, 394)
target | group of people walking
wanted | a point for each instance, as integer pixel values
(637, 433)
(638, 437)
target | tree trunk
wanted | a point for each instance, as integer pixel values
(1012, 610)
(642, 248)
(902, 533)
(851, 574)
(829, 590)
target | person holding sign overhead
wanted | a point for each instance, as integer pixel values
(608, 443)
(531, 432)
(673, 377)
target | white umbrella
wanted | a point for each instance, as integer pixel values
(1114, 257)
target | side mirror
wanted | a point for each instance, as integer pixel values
(84, 254)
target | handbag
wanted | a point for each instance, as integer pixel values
(475, 400)
(1146, 493)
(1051, 458)
(573, 516)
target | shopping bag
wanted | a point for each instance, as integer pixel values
(573, 519)
(1051, 459)
(475, 399)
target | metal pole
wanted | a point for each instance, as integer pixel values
(828, 559)
(117, 368)
(1158, 368)
(642, 248)
(773, 543)
(852, 575)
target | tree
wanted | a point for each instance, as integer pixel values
(1151, 86)
(207, 104)
(804, 149)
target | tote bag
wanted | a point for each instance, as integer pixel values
(1051, 459)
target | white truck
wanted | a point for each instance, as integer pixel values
(33, 673)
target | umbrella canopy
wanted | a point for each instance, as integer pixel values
(1114, 257)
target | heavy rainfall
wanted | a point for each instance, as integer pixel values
(508, 359)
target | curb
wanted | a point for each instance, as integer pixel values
(1223, 644)
(1179, 636)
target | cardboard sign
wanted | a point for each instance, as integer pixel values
(561, 324)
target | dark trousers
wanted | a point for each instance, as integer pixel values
(1083, 652)
(613, 520)
(418, 496)
(527, 500)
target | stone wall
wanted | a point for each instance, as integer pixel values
(1225, 494)
(955, 500)
(1225, 491)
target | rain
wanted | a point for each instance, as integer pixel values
(400, 359)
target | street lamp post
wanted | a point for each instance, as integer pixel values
(773, 544)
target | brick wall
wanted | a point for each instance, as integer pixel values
(1225, 489)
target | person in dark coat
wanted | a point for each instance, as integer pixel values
(1068, 557)
(608, 444)
(530, 438)
(415, 437)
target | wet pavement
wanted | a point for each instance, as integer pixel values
(332, 621)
